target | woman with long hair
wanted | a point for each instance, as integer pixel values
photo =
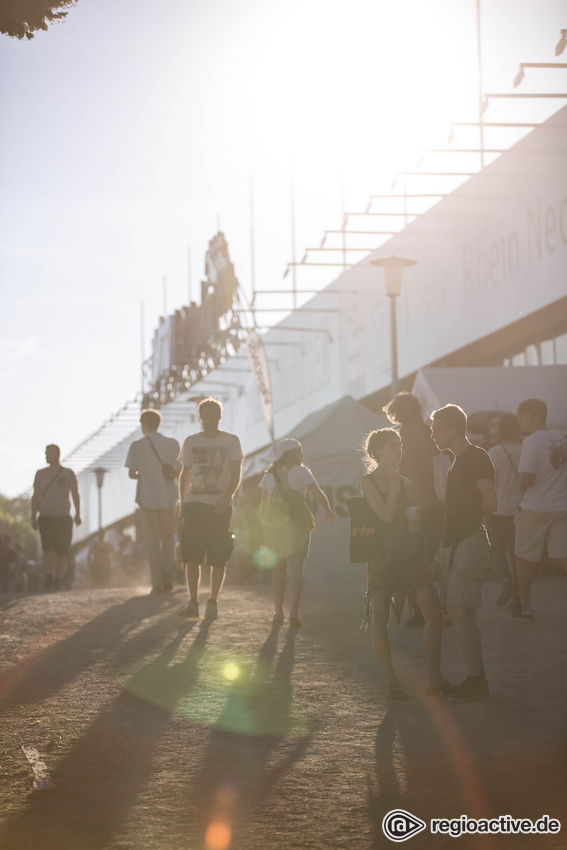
(399, 568)
(288, 522)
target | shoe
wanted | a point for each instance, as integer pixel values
(445, 688)
(277, 619)
(167, 585)
(212, 610)
(294, 620)
(48, 583)
(506, 593)
(522, 614)
(191, 610)
(515, 605)
(473, 688)
(395, 690)
(157, 588)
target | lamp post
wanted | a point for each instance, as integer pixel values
(99, 472)
(393, 270)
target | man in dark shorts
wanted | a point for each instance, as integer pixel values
(464, 551)
(212, 466)
(53, 488)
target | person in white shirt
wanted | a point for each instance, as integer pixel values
(210, 477)
(541, 520)
(505, 457)
(152, 461)
(288, 522)
(53, 489)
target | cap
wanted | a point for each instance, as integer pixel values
(287, 445)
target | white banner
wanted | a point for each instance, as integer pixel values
(259, 362)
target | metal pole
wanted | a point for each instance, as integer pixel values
(394, 343)
(293, 276)
(189, 277)
(100, 508)
(142, 344)
(164, 292)
(252, 247)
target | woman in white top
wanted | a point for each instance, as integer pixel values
(288, 521)
(505, 457)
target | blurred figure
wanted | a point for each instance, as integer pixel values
(418, 454)
(541, 520)
(288, 522)
(20, 580)
(99, 560)
(152, 462)
(8, 564)
(52, 489)
(505, 457)
(464, 551)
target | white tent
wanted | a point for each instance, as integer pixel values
(331, 440)
(488, 388)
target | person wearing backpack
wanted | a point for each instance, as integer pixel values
(288, 522)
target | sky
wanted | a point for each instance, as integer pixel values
(133, 130)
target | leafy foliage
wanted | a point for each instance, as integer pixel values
(23, 18)
(15, 520)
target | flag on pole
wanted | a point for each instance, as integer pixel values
(259, 362)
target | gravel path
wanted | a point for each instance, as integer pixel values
(161, 733)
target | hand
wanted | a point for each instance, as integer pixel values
(222, 504)
(329, 516)
(180, 518)
(78, 519)
(435, 570)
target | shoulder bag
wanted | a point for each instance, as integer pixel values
(168, 470)
(365, 530)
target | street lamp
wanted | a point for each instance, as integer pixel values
(393, 270)
(99, 472)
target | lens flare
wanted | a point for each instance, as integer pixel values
(265, 558)
(231, 671)
(218, 836)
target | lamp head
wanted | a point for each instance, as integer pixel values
(561, 44)
(393, 270)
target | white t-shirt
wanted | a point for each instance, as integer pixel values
(154, 490)
(298, 478)
(506, 477)
(209, 459)
(54, 487)
(544, 454)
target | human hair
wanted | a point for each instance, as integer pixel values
(374, 444)
(535, 406)
(210, 402)
(151, 419)
(452, 416)
(55, 448)
(285, 460)
(508, 427)
(404, 408)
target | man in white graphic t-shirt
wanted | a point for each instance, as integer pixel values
(541, 519)
(212, 467)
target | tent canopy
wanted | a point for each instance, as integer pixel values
(495, 388)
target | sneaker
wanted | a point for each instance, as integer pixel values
(294, 620)
(522, 614)
(212, 610)
(506, 593)
(191, 610)
(445, 688)
(471, 689)
(167, 585)
(515, 605)
(277, 619)
(157, 588)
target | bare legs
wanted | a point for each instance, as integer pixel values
(524, 572)
(55, 565)
(193, 578)
(293, 566)
(468, 636)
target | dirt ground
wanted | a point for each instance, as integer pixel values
(161, 733)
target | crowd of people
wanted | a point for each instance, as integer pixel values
(440, 502)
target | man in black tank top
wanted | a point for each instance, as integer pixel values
(464, 551)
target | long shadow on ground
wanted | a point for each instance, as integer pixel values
(100, 779)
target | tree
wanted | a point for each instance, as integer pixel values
(15, 520)
(23, 18)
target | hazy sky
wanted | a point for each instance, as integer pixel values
(131, 128)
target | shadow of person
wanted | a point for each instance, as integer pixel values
(113, 637)
(100, 779)
(254, 743)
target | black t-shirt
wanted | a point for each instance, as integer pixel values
(463, 514)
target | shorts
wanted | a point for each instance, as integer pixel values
(463, 567)
(158, 523)
(536, 529)
(206, 533)
(56, 533)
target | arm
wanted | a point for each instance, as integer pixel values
(184, 484)
(235, 474)
(35, 506)
(321, 498)
(384, 509)
(76, 501)
(489, 502)
(525, 480)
